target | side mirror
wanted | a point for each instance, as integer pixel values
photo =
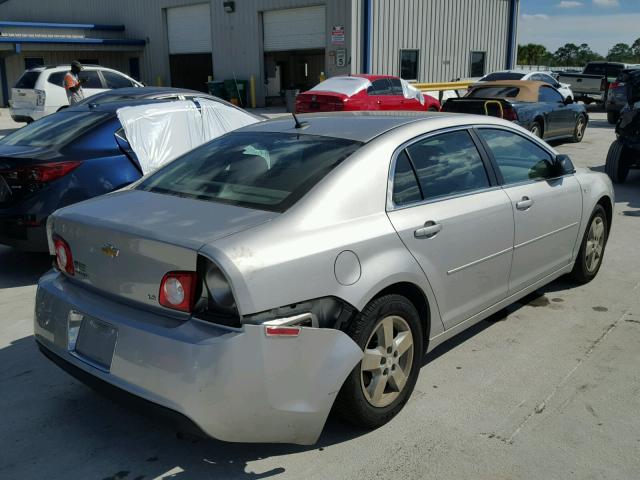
(564, 165)
(568, 101)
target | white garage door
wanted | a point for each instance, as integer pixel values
(294, 29)
(189, 29)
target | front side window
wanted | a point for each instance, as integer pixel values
(448, 164)
(518, 159)
(115, 80)
(548, 94)
(262, 170)
(92, 79)
(409, 64)
(478, 60)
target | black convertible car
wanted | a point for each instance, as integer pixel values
(536, 106)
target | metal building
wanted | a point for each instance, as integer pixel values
(282, 44)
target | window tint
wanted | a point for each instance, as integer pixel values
(494, 92)
(448, 164)
(396, 86)
(519, 159)
(548, 79)
(405, 183)
(115, 80)
(595, 69)
(92, 79)
(381, 86)
(548, 94)
(268, 171)
(477, 64)
(57, 78)
(409, 64)
(27, 80)
(503, 76)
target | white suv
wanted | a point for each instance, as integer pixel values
(40, 91)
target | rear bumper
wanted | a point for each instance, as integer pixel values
(235, 385)
(30, 114)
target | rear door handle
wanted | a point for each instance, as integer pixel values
(429, 230)
(524, 204)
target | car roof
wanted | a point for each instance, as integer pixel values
(361, 126)
(528, 88)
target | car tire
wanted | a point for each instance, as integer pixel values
(612, 117)
(432, 109)
(359, 402)
(537, 129)
(579, 129)
(616, 166)
(592, 247)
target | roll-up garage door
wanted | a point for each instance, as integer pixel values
(189, 29)
(294, 29)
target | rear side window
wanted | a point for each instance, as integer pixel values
(27, 80)
(115, 80)
(405, 184)
(266, 170)
(92, 80)
(518, 159)
(396, 86)
(57, 78)
(448, 164)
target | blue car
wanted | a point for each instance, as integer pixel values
(70, 156)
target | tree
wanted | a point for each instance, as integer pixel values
(567, 55)
(636, 49)
(531, 54)
(621, 52)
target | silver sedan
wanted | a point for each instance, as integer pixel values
(294, 266)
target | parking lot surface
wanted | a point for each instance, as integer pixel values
(549, 389)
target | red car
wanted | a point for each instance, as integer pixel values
(364, 92)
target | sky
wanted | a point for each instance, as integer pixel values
(599, 23)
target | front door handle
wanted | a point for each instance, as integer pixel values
(524, 204)
(429, 230)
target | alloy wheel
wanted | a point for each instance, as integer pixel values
(580, 128)
(595, 244)
(387, 361)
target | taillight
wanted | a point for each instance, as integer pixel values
(277, 331)
(510, 114)
(64, 259)
(178, 290)
(613, 85)
(41, 173)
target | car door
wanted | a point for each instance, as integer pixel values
(93, 82)
(380, 95)
(398, 98)
(546, 208)
(458, 224)
(560, 117)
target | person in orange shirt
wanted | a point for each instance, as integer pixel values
(73, 84)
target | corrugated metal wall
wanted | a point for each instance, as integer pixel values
(444, 31)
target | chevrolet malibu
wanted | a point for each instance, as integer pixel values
(293, 267)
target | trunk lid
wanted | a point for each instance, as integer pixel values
(27, 98)
(125, 242)
(320, 102)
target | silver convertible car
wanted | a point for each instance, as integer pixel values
(294, 267)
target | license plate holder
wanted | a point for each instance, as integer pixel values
(96, 342)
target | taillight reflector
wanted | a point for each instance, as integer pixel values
(178, 290)
(275, 331)
(64, 259)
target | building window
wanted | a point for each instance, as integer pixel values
(478, 62)
(89, 61)
(409, 64)
(32, 62)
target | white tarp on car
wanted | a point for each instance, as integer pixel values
(409, 91)
(160, 132)
(348, 86)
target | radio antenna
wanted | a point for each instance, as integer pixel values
(298, 124)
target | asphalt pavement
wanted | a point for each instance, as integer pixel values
(548, 389)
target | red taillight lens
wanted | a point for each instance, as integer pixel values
(42, 173)
(614, 85)
(178, 290)
(276, 331)
(64, 259)
(510, 114)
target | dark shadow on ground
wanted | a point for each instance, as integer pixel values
(18, 269)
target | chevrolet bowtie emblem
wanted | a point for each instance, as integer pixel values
(110, 251)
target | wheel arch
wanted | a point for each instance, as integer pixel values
(418, 298)
(607, 205)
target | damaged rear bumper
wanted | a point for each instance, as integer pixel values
(236, 385)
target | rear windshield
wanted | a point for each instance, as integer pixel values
(503, 76)
(267, 171)
(27, 80)
(55, 130)
(494, 92)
